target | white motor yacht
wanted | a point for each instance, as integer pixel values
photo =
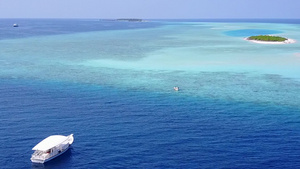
(51, 147)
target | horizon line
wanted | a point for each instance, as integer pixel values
(142, 18)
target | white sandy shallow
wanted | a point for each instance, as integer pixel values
(288, 41)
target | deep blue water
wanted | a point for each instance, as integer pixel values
(135, 128)
(39, 27)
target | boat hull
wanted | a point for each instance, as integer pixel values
(41, 161)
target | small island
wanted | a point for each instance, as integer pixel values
(268, 39)
(130, 20)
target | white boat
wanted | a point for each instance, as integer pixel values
(15, 25)
(51, 147)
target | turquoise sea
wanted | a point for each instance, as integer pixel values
(110, 83)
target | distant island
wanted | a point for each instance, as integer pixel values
(268, 39)
(130, 20)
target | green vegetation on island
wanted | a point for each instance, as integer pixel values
(267, 38)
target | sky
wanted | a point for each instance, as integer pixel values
(150, 9)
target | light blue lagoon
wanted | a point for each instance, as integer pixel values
(156, 59)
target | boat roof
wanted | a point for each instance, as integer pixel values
(50, 142)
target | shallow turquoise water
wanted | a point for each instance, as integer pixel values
(251, 32)
(156, 59)
(238, 104)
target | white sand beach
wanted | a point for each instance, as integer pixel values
(288, 41)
